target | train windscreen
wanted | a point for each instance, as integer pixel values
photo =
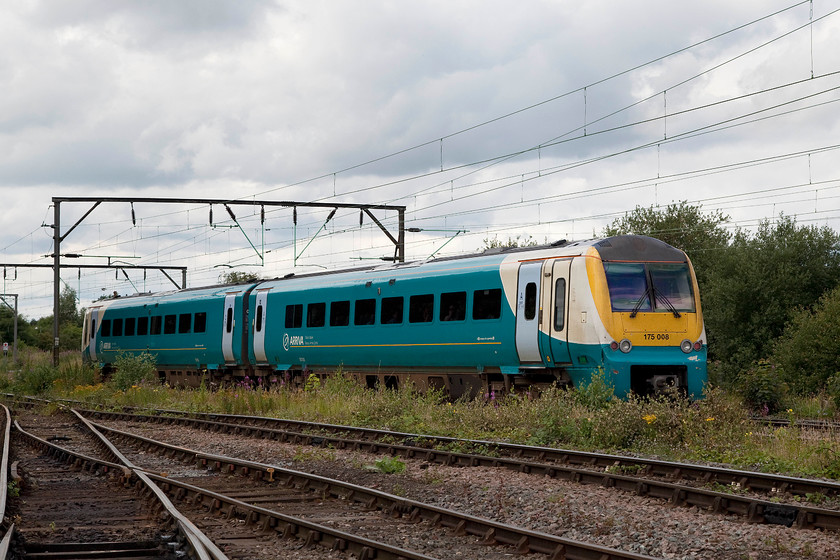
(662, 287)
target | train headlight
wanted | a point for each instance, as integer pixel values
(686, 346)
(625, 346)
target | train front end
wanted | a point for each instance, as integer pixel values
(646, 295)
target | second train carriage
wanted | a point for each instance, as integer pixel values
(626, 307)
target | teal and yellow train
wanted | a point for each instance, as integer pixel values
(626, 308)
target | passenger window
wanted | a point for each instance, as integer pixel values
(200, 324)
(229, 321)
(421, 309)
(487, 304)
(560, 304)
(106, 327)
(453, 306)
(258, 327)
(530, 301)
(294, 316)
(92, 329)
(365, 312)
(339, 313)
(392, 311)
(315, 314)
(116, 327)
(156, 324)
(129, 326)
(184, 323)
(169, 324)
(142, 326)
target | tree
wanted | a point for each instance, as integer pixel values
(808, 353)
(757, 285)
(517, 241)
(235, 277)
(70, 320)
(7, 327)
(67, 311)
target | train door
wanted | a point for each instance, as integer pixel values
(527, 312)
(227, 327)
(259, 326)
(557, 300)
(92, 317)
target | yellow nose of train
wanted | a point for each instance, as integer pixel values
(647, 299)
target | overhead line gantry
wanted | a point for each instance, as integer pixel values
(58, 237)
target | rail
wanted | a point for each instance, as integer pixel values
(4, 484)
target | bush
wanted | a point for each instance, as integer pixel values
(762, 387)
(134, 369)
(36, 380)
(833, 389)
(807, 353)
(597, 393)
(389, 465)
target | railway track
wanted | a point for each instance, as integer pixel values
(759, 497)
(77, 506)
(816, 425)
(314, 446)
(247, 511)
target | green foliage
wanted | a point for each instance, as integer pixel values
(313, 383)
(36, 380)
(73, 373)
(518, 241)
(238, 277)
(389, 465)
(758, 284)
(762, 387)
(39, 332)
(67, 311)
(133, 370)
(13, 489)
(833, 389)
(597, 393)
(808, 353)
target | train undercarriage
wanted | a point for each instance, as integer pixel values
(455, 382)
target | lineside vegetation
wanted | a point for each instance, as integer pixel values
(718, 428)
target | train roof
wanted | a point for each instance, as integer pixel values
(617, 248)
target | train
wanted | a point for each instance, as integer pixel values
(624, 309)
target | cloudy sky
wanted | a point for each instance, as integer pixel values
(484, 119)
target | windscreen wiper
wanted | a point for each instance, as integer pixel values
(657, 294)
(639, 303)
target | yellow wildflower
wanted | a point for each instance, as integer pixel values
(649, 418)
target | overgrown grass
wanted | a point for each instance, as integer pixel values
(717, 429)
